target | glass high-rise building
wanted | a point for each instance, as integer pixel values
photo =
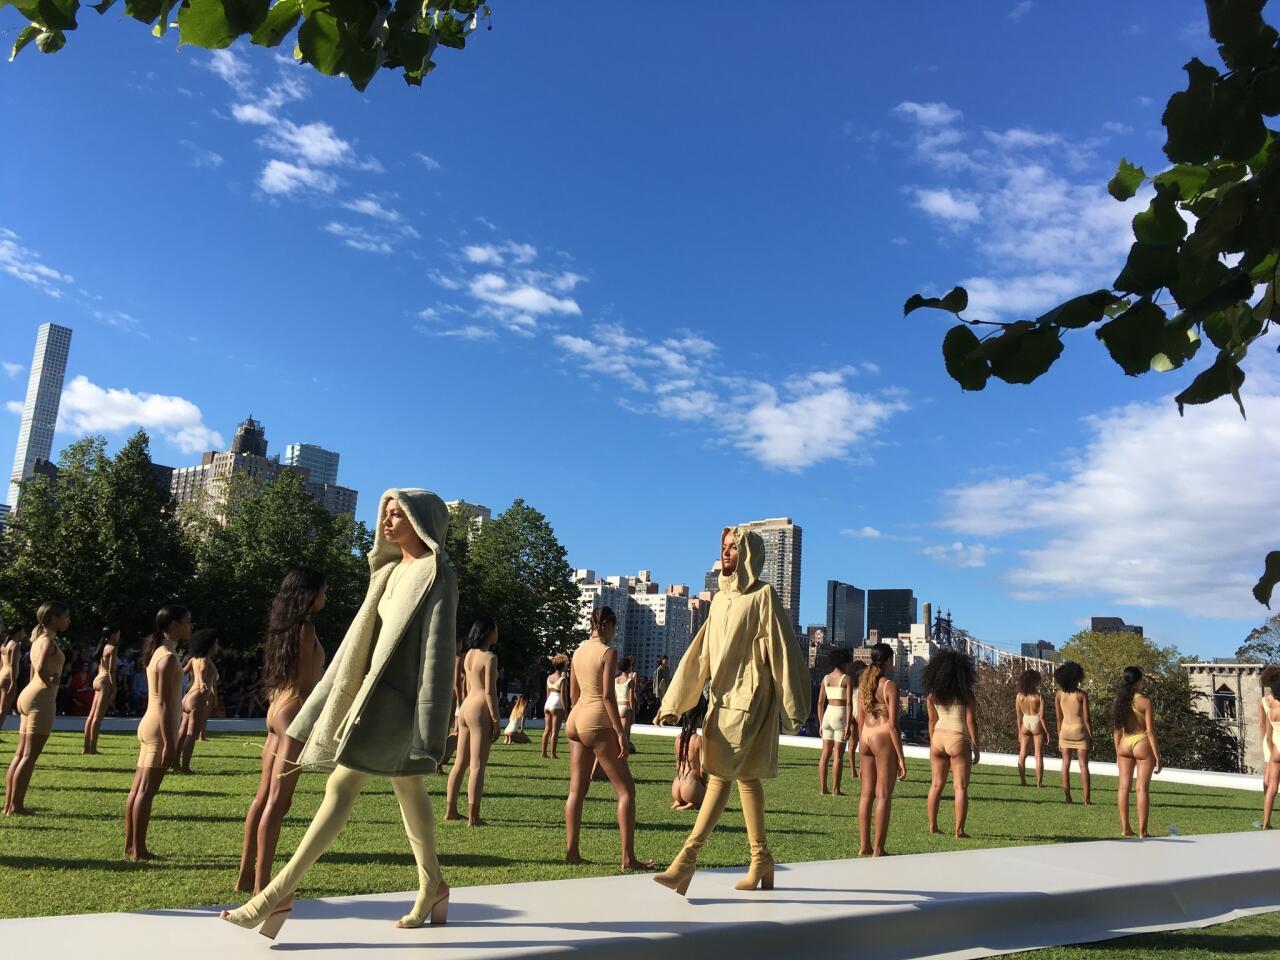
(322, 463)
(40, 411)
(783, 541)
(891, 612)
(846, 614)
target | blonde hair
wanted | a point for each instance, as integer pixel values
(559, 661)
(49, 611)
(881, 654)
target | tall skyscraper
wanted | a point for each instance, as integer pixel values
(251, 438)
(846, 614)
(40, 411)
(891, 612)
(783, 541)
(322, 463)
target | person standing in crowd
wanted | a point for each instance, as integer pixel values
(596, 735)
(949, 681)
(1133, 730)
(158, 729)
(748, 653)
(477, 720)
(554, 709)
(834, 695)
(104, 686)
(854, 671)
(79, 688)
(383, 706)
(37, 703)
(879, 749)
(10, 658)
(1269, 729)
(514, 732)
(292, 664)
(200, 697)
(138, 687)
(1028, 709)
(689, 786)
(661, 678)
(1075, 735)
(624, 693)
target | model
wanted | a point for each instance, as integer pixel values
(292, 664)
(595, 733)
(554, 709)
(879, 749)
(477, 720)
(661, 678)
(158, 728)
(104, 686)
(200, 698)
(689, 786)
(854, 670)
(514, 731)
(949, 680)
(624, 693)
(1028, 708)
(834, 694)
(10, 658)
(1075, 735)
(382, 707)
(1269, 728)
(1134, 732)
(37, 703)
(759, 684)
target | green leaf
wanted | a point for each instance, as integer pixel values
(1181, 342)
(278, 23)
(1233, 327)
(320, 41)
(1149, 267)
(953, 302)
(1223, 377)
(1244, 39)
(958, 348)
(145, 11)
(1135, 337)
(215, 24)
(1191, 136)
(1241, 130)
(1160, 222)
(58, 14)
(1080, 311)
(1126, 181)
(25, 36)
(162, 21)
(451, 32)
(1187, 178)
(1022, 352)
(104, 6)
(51, 41)
(1270, 577)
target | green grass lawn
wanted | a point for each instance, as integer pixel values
(66, 858)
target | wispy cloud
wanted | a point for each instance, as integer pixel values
(89, 408)
(957, 554)
(14, 407)
(282, 179)
(1021, 9)
(429, 162)
(11, 370)
(371, 206)
(358, 238)
(200, 157)
(27, 265)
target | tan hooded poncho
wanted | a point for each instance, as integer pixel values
(384, 704)
(759, 682)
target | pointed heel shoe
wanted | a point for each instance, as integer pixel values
(760, 872)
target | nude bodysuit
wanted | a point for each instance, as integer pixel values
(1071, 723)
(157, 718)
(588, 716)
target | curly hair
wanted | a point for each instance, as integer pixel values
(559, 662)
(1270, 674)
(838, 659)
(1069, 676)
(201, 642)
(282, 640)
(1122, 705)
(949, 677)
(1029, 681)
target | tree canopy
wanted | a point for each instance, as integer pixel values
(352, 38)
(1205, 258)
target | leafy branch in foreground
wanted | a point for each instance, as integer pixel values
(1205, 259)
(354, 38)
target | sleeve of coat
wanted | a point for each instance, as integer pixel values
(690, 677)
(790, 673)
(435, 686)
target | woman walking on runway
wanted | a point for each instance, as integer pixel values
(1134, 732)
(383, 706)
(879, 749)
(37, 704)
(1074, 732)
(104, 686)
(556, 706)
(477, 720)
(200, 697)
(158, 728)
(953, 732)
(759, 685)
(1029, 716)
(834, 695)
(292, 664)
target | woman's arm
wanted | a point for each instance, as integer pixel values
(40, 665)
(170, 692)
(1017, 715)
(971, 721)
(931, 713)
(1084, 715)
(609, 669)
(850, 724)
(1150, 714)
(893, 706)
(822, 697)
(1264, 730)
(491, 686)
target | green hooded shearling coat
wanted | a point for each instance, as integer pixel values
(384, 704)
(747, 650)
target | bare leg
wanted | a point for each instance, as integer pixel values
(556, 721)
(1146, 764)
(624, 786)
(129, 819)
(939, 766)
(480, 744)
(152, 777)
(1270, 787)
(1123, 788)
(92, 722)
(823, 759)
(461, 759)
(11, 771)
(24, 765)
(1024, 741)
(1039, 742)
(1084, 775)
(186, 731)
(1066, 773)
(866, 802)
(284, 779)
(837, 768)
(546, 732)
(249, 846)
(581, 761)
(886, 778)
(960, 769)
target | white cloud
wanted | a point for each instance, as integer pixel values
(1024, 295)
(1020, 138)
(14, 407)
(118, 319)
(495, 289)
(469, 332)
(497, 254)
(485, 253)
(314, 143)
(252, 113)
(89, 408)
(281, 179)
(371, 206)
(232, 68)
(429, 162)
(1021, 9)
(12, 370)
(928, 114)
(948, 205)
(1111, 126)
(1158, 510)
(358, 238)
(200, 157)
(866, 533)
(28, 266)
(957, 554)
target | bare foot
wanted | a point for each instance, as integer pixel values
(961, 835)
(1088, 802)
(143, 855)
(824, 792)
(934, 830)
(1127, 834)
(453, 815)
(862, 852)
(1145, 836)
(840, 793)
(1067, 799)
(574, 858)
(879, 853)
(476, 822)
(18, 812)
(634, 864)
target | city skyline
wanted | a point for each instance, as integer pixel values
(39, 410)
(647, 364)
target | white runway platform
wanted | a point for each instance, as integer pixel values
(950, 905)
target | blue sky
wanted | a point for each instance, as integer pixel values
(647, 273)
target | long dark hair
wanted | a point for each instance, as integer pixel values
(480, 631)
(949, 676)
(282, 639)
(601, 617)
(626, 665)
(881, 656)
(689, 724)
(201, 642)
(1029, 681)
(1270, 675)
(1122, 705)
(1069, 676)
(103, 642)
(49, 611)
(166, 617)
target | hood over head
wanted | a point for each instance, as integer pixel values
(426, 513)
(750, 561)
